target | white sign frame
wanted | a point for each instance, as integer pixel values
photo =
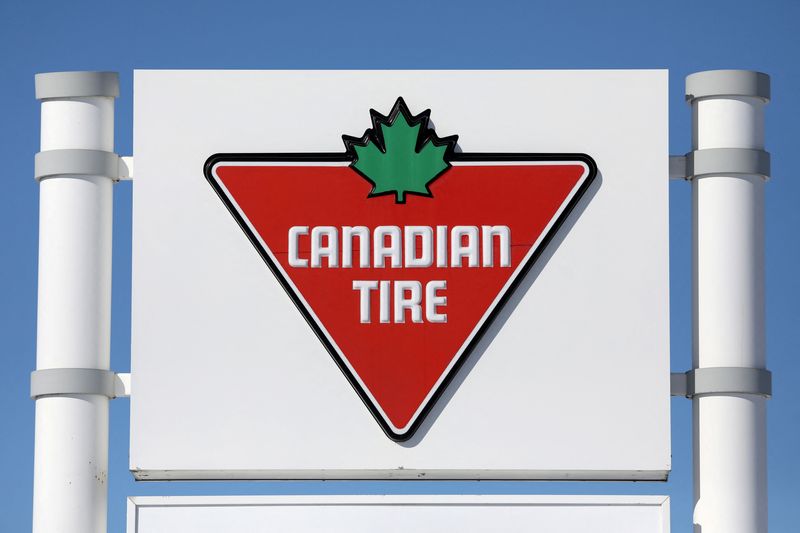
(399, 513)
(206, 404)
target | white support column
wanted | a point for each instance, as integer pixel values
(75, 170)
(728, 168)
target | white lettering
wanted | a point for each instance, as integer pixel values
(364, 288)
(397, 297)
(401, 247)
(386, 301)
(381, 250)
(410, 234)
(459, 250)
(441, 246)
(329, 250)
(407, 295)
(434, 300)
(504, 236)
(294, 236)
(348, 235)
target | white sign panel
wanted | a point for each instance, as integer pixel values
(400, 274)
(396, 514)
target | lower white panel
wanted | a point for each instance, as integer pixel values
(389, 514)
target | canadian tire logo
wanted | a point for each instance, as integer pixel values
(400, 250)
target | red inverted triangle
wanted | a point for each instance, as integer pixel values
(399, 369)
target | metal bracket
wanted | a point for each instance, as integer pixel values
(677, 167)
(722, 380)
(126, 168)
(81, 162)
(62, 381)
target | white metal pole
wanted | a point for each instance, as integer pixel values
(71, 443)
(728, 176)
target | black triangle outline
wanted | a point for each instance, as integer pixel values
(478, 334)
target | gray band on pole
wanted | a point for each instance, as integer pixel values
(76, 84)
(722, 380)
(727, 83)
(74, 161)
(726, 162)
(54, 381)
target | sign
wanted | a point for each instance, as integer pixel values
(399, 276)
(483, 273)
(423, 514)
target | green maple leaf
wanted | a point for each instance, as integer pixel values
(400, 155)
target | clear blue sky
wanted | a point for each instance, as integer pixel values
(682, 36)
